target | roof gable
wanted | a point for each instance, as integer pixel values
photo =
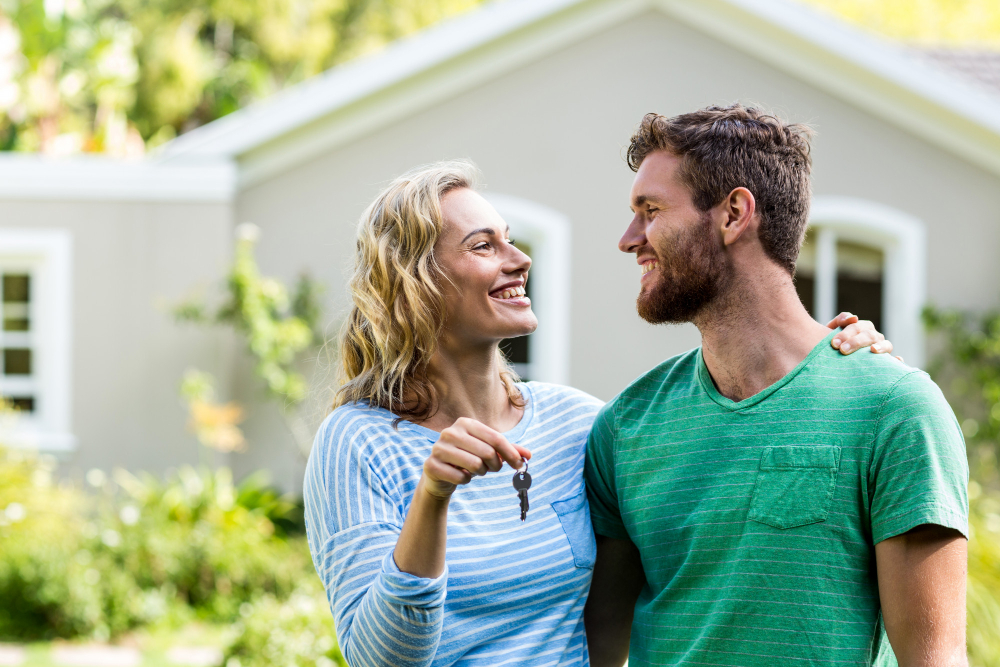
(359, 97)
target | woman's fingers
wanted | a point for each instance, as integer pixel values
(855, 336)
(440, 472)
(512, 454)
(469, 448)
(882, 347)
(842, 320)
(459, 456)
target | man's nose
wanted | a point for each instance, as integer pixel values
(633, 237)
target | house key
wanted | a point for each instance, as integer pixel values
(522, 482)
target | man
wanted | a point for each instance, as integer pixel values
(774, 504)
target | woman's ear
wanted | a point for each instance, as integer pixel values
(739, 207)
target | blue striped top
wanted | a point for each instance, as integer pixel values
(511, 593)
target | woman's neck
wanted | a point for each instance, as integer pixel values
(468, 384)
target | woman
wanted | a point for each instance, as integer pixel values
(429, 403)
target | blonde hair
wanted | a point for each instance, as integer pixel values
(399, 310)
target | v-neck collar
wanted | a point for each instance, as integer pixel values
(709, 386)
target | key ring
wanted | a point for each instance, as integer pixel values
(519, 472)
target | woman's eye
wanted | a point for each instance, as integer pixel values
(481, 246)
(512, 242)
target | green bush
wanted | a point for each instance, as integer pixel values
(136, 549)
(984, 578)
(193, 536)
(295, 633)
(967, 367)
(57, 575)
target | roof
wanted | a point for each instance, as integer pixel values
(333, 108)
(912, 90)
(980, 67)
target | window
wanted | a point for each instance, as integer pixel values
(544, 234)
(34, 337)
(517, 350)
(857, 286)
(868, 259)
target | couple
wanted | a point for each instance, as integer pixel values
(759, 500)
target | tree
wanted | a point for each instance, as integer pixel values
(118, 76)
(947, 23)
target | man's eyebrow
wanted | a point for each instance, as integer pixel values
(482, 230)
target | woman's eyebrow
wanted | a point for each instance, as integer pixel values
(483, 230)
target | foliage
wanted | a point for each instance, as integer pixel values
(930, 22)
(968, 368)
(216, 425)
(277, 329)
(135, 549)
(984, 578)
(107, 75)
(57, 570)
(297, 633)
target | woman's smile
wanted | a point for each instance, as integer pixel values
(511, 294)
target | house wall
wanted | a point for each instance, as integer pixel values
(554, 132)
(131, 261)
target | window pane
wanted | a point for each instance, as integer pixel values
(17, 361)
(805, 273)
(859, 281)
(21, 403)
(16, 287)
(516, 349)
(15, 317)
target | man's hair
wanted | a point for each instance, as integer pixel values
(722, 148)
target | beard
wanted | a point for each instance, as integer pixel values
(693, 272)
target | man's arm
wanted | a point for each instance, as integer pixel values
(921, 581)
(618, 578)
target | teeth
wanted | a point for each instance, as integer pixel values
(512, 292)
(647, 267)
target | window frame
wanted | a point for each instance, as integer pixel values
(902, 238)
(548, 232)
(46, 254)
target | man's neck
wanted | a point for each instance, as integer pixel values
(468, 384)
(756, 334)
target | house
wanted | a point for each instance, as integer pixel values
(542, 95)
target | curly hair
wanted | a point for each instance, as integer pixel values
(398, 308)
(722, 148)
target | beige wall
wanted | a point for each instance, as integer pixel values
(130, 262)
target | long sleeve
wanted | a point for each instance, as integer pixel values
(383, 616)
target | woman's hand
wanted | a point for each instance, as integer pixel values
(467, 449)
(857, 334)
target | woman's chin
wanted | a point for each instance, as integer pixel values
(524, 327)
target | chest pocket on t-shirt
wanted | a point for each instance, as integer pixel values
(574, 515)
(795, 485)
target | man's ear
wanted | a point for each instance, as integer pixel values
(739, 208)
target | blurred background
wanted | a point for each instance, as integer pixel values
(179, 185)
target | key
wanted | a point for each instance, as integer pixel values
(522, 482)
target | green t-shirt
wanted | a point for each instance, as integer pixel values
(756, 521)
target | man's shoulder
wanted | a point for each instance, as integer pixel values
(873, 375)
(678, 374)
